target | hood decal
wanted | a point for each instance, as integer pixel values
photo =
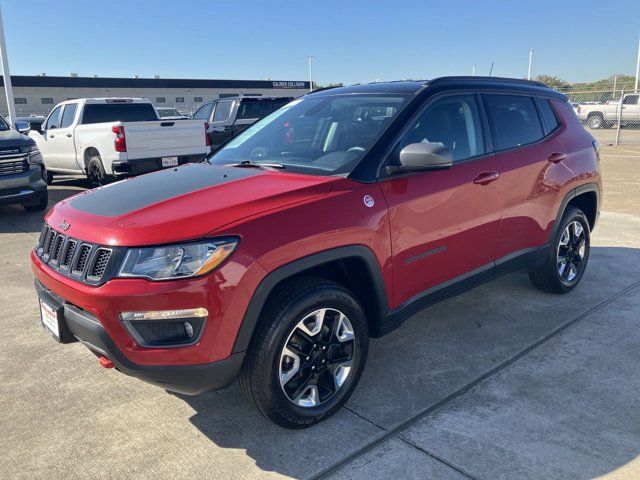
(134, 194)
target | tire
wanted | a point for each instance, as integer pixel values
(329, 362)
(49, 178)
(40, 206)
(596, 122)
(556, 276)
(95, 172)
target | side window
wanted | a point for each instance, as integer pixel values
(514, 120)
(630, 100)
(68, 115)
(223, 111)
(453, 122)
(54, 119)
(548, 116)
(204, 112)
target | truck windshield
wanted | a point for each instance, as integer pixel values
(325, 135)
(118, 112)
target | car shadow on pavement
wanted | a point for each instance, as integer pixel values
(436, 357)
(15, 219)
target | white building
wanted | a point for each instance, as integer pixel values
(39, 94)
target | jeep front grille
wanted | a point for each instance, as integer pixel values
(83, 261)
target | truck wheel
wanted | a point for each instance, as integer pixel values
(596, 121)
(42, 204)
(95, 172)
(568, 255)
(49, 178)
(308, 353)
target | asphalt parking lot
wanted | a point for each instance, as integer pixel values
(501, 382)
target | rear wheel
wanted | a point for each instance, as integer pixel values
(95, 172)
(568, 256)
(596, 121)
(308, 355)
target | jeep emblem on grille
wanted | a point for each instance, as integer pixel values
(64, 225)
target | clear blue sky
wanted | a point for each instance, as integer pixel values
(352, 40)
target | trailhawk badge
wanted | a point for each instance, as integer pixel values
(368, 201)
(64, 225)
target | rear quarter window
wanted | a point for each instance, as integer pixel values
(258, 108)
(514, 120)
(118, 112)
(548, 115)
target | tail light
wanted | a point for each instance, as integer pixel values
(120, 143)
(207, 140)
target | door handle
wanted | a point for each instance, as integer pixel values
(557, 157)
(485, 178)
(51, 136)
(69, 135)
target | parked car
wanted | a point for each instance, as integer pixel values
(167, 113)
(116, 137)
(606, 115)
(22, 170)
(328, 222)
(34, 121)
(229, 116)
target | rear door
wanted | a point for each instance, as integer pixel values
(444, 223)
(65, 138)
(526, 149)
(220, 129)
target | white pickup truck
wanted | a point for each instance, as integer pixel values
(114, 137)
(605, 115)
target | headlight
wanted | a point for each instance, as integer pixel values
(33, 152)
(176, 261)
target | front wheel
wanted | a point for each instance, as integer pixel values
(568, 255)
(308, 355)
(596, 122)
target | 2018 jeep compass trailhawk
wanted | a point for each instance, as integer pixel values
(329, 221)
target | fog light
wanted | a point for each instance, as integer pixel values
(165, 328)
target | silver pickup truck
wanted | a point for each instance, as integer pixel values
(606, 115)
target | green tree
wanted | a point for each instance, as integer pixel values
(553, 82)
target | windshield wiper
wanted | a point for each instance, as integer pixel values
(250, 164)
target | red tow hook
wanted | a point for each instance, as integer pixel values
(105, 362)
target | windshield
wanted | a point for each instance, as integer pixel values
(318, 135)
(168, 112)
(4, 126)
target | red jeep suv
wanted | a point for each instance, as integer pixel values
(329, 221)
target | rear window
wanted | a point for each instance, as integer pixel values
(122, 112)
(259, 108)
(514, 120)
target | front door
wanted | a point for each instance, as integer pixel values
(49, 146)
(444, 223)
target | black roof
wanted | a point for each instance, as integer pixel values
(106, 82)
(411, 87)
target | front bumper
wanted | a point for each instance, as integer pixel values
(83, 326)
(26, 188)
(146, 165)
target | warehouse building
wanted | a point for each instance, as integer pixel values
(39, 94)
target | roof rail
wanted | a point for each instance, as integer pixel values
(490, 79)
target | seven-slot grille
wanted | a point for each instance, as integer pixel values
(83, 261)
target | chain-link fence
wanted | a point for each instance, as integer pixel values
(612, 116)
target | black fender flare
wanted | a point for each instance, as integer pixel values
(269, 283)
(573, 193)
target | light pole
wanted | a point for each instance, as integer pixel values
(473, 70)
(11, 108)
(530, 60)
(310, 60)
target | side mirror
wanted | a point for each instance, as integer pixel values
(23, 127)
(418, 157)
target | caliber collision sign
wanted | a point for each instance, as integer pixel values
(289, 85)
